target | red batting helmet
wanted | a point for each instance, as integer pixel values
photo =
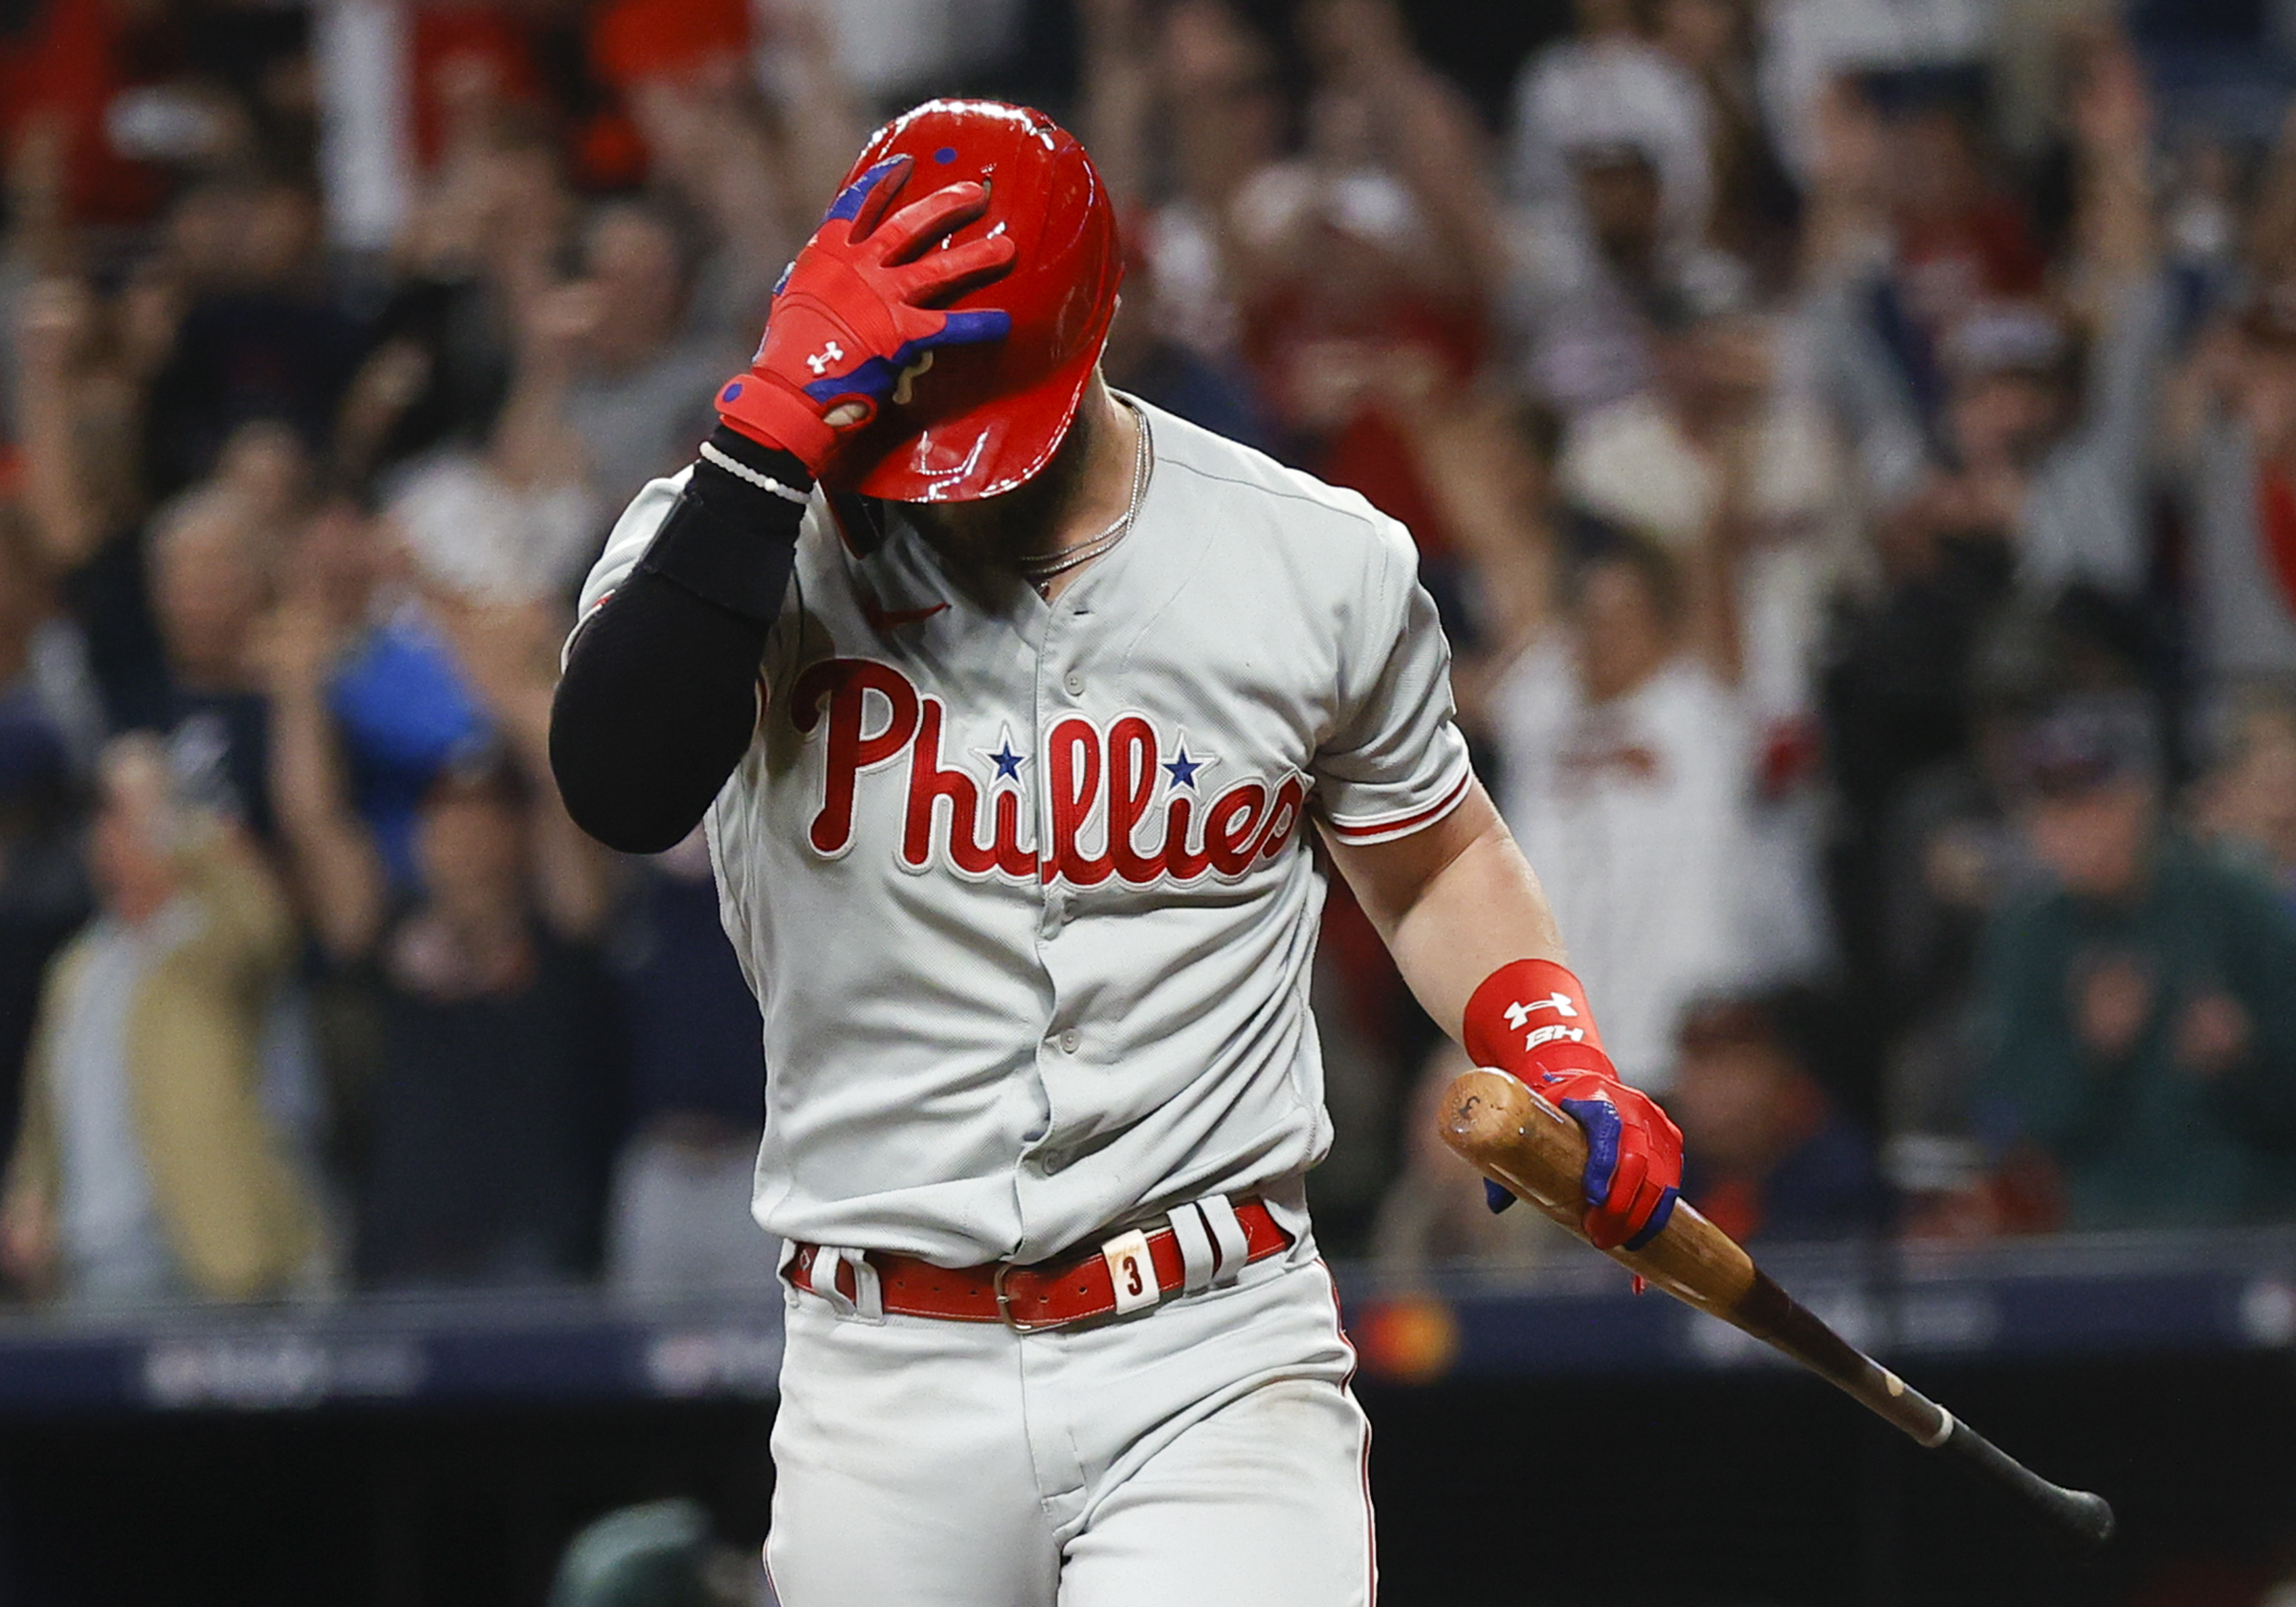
(987, 418)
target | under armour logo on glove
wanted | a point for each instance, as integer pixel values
(854, 322)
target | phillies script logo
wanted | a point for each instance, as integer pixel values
(1084, 766)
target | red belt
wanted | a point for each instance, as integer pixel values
(1118, 1276)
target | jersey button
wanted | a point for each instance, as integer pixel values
(1070, 1041)
(1074, 682)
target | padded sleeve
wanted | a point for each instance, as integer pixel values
(660, 697)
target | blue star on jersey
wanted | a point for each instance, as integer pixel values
(1004, 758)
(1182, 769)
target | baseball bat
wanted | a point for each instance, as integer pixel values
(1515, 1137)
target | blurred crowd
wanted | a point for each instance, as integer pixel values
(1853, 446)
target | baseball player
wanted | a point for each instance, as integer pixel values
(1012, 705)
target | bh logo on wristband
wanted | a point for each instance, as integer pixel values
(1519, 1017)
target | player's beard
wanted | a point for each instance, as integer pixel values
(981, 540)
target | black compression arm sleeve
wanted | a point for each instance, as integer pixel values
(660, 697)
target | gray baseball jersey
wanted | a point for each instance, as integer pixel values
(1024, 891)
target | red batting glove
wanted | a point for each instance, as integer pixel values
(1529, 1019)
(851, 326)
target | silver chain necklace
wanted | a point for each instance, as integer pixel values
(1038, 568)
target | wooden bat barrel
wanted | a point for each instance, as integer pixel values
(1506, 1131)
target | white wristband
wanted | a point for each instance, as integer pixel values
(744, 472)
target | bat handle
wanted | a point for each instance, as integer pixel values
(2085, 1516)
(1509, 1133)
(1770, 1313)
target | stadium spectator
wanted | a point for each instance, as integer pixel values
(70, 402)
(2246, 800)
(386, 699)
(487, 1128)
(165, 610)
(2041, 410)
(439, 360)
(1488, 456)
(1728, 440)
(1754, 208)
(44, 681)
(1766, 1155)
(1610, 162)
(680, 1220)
(49, 729)
(1626, 758)
(65, 63)
(1371, 249)
(264, 341)
(638, 396)
(751, 169)
(2137, 1026)
(1201, 87)
(79, 363)
(1612, 84)
(146, 1166)
(2237, 424)
(1434, 1212)
(1146, 362)
(212, 554)
(512, 520)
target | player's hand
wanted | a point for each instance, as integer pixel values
(28, 1238)
(1633, 1155)
(853, 319)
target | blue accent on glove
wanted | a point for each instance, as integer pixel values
(849, 199)
(783, 283)
(1599, 1117)
(878, 377)
(1657, 1223)
(971, 328)
(1495, 1197)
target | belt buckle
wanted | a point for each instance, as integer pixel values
(995, 1284)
